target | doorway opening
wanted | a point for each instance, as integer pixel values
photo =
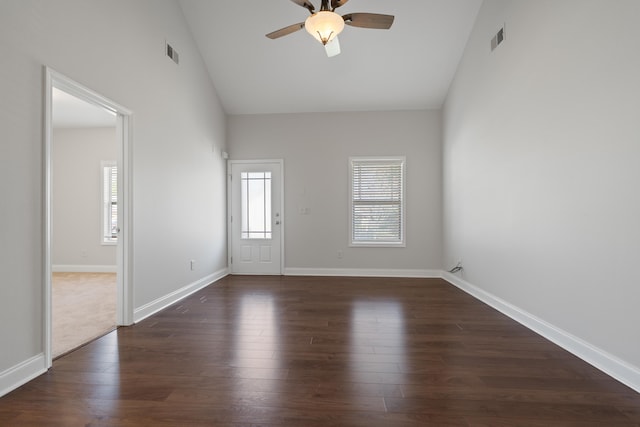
(87, 228)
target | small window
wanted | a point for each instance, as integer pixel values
(377, 201)
(109, 203)
(256, 205)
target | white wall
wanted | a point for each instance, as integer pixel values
(316, 149)
(541, 168)
(115, 48)
(77, 196)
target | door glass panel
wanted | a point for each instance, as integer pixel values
(256, 205)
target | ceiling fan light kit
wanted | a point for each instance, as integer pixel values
(325, 25)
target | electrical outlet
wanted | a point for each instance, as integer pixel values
(340, 254)
(193, 264)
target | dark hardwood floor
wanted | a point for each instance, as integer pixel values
(292, 351)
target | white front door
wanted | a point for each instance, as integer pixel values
(255, 220)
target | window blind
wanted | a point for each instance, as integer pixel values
(110, 193)
(377, 214)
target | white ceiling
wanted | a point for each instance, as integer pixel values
(71, 112)
(407, 67)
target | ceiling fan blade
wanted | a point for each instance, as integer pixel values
(333, 47)
(304, 3)
(286, 30)
(337, 3)
(369, 20)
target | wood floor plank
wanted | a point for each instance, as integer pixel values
(319, 351)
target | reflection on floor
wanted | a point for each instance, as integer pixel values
(323, 351)
(84, 308)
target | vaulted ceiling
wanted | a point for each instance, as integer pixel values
(407, 67)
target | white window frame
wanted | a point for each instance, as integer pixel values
(401, 242)
(105, 208)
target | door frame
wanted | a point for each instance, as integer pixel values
(230, 163)
(124, 256)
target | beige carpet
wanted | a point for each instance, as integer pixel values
(84, 308)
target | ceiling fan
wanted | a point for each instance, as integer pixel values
(326, 24)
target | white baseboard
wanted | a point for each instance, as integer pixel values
(22, 373)
(607, 363)
(362, 272)
(153, 307)
(61, 268)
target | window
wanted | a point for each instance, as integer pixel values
(109, 203)
(256, 205)
(377, 201)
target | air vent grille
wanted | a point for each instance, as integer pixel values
(173, 54)
(497, 39)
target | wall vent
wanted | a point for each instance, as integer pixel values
(497, 39)
(173, 54)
